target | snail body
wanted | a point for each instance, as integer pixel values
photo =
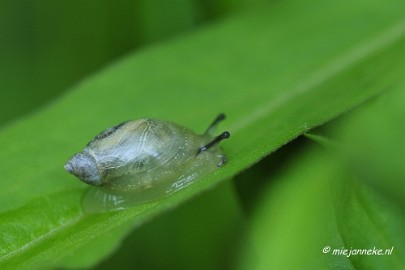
(144, 160)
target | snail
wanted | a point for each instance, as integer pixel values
(143, 160)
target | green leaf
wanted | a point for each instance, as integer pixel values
(182, 239)
(372, 209)
(350, 199)
(293, 218)
(276, 73)
(371, 139)
(309, 213)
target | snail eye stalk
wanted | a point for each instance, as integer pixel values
(218, 139)
(214, 124)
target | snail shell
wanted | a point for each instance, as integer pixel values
(143, 160)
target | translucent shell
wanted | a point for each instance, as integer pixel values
(142, 160)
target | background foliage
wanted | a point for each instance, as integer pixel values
(279, 69)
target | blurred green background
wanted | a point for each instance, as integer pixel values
(48, 46)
